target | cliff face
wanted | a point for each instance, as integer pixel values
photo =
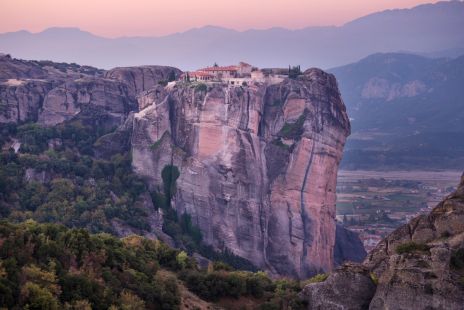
(69, 99)
(419, 266)
(257, 163)
(142, 78)
(53, 92)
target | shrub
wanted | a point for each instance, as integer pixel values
(294, 130)
(321, 277)
(171, 76)
(411, 247)
(201, 87)
(278, 142)
(218, 265)
(374, 278)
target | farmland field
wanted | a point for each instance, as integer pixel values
(374, 203)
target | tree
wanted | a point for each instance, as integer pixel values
(81, 304)
(46, 279)
(182, 259)
(35, 297)
(294, 72)
(171, 76)
(129, 301)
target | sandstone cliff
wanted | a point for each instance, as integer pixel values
(257, 163)
(142, 78)
(418, 266)
(30, 88)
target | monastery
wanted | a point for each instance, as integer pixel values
(234, 75)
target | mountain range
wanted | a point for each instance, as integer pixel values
(406, 111)
(429, 29)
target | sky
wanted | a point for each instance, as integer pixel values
(116, 18)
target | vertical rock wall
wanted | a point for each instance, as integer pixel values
(258, 165)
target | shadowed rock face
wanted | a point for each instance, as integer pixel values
(348, 246)
(20, 100)
(258, 165)
(419, 266)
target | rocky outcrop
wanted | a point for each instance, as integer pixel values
(378, 88)
(56, 90)
(116, 142)
(257, 163)
(350, 287)
(20, 100)
(414, 264)
(139, 79)
(348, 246)
(69, 99)
(419, 266)
(19, 69)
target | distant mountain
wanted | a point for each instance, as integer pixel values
(406, 111)
(425, 29)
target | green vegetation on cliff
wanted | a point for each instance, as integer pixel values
(55, 178)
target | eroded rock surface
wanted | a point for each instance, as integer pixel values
(142, 78)
(257, 163)
(350, 287)
(67, 100)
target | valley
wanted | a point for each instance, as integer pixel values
(374, 203)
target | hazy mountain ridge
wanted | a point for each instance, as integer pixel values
(406, 111)
(424, 29)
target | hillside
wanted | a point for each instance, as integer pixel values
(406, 112)
(47, 266)
(427, 28)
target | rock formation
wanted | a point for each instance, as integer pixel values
(348, 246)
(67, 100)
(419, 266)
(29, 88)
(257, 163)
(349, 288)
(142, 78)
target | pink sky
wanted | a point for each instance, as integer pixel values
(113, 18)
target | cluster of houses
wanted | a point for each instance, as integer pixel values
(232, 75)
